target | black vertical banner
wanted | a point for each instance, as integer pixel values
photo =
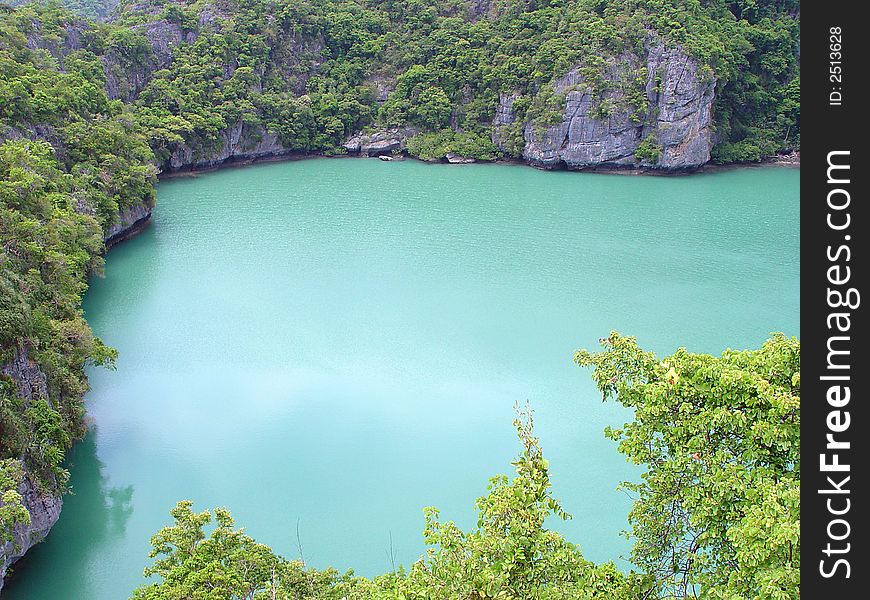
(835, 368)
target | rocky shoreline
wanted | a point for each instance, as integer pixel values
(791, 160)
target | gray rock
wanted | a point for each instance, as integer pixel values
(455, 159)
(30, 381)
(211, 15)
(44, 507)
(684, 123)
(387, 141)
(70, 40)
(382, 87)
(296, 59)
(479, 8)
(504, 116)
(678, 120)
(239, 142)
(44, 512)
(131, 220)
(124, 80)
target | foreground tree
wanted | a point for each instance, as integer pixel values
(12, 510)
(228, 564)
(717, 513)
(510, 555)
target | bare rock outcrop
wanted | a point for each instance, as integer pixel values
(44, 509)
(126, 77)
(239, 142)
(388, 141)
(661, 102)
(43, 506)
(131, 220)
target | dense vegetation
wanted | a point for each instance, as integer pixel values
(90, 111)
(70, 160)
(313, 70)
(97, 10)
(316, 71)
(716, 516)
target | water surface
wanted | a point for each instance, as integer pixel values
(335, 344)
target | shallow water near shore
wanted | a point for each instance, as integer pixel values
(335, 344)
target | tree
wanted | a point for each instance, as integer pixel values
(228, 564)
(511, 554)
(717, 510)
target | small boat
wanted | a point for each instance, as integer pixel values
(385, 157)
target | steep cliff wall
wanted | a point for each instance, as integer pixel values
(43, 506)
(655, 112)
(125, 77)
(131, 220)
(238, 142)
(44, 509)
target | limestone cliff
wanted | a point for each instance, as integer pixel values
(125, 78)
(649, 108)
(43, 506)
(44, 509)
(239, 142)
(30, 383)
(655, 111)
(131, 220)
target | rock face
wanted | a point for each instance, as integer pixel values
(44, 508)
(30, 382)
(388, 141)
(131, 220)
(237, 143)
(456, 159)
(125, 79)
(44, 512)
(674, 118)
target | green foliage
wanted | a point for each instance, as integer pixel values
(228, 564)
(98, 10)
(15, 318)
(70, 160)
(311, 72)
(758, 104)
(603, 110)
(418, 100)
(546, 108)
(89, 111)
(718, 507)
(717, 514)
(12, 510)
(635, 95)
(510, 555)
(648, 151)
(435, 146)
